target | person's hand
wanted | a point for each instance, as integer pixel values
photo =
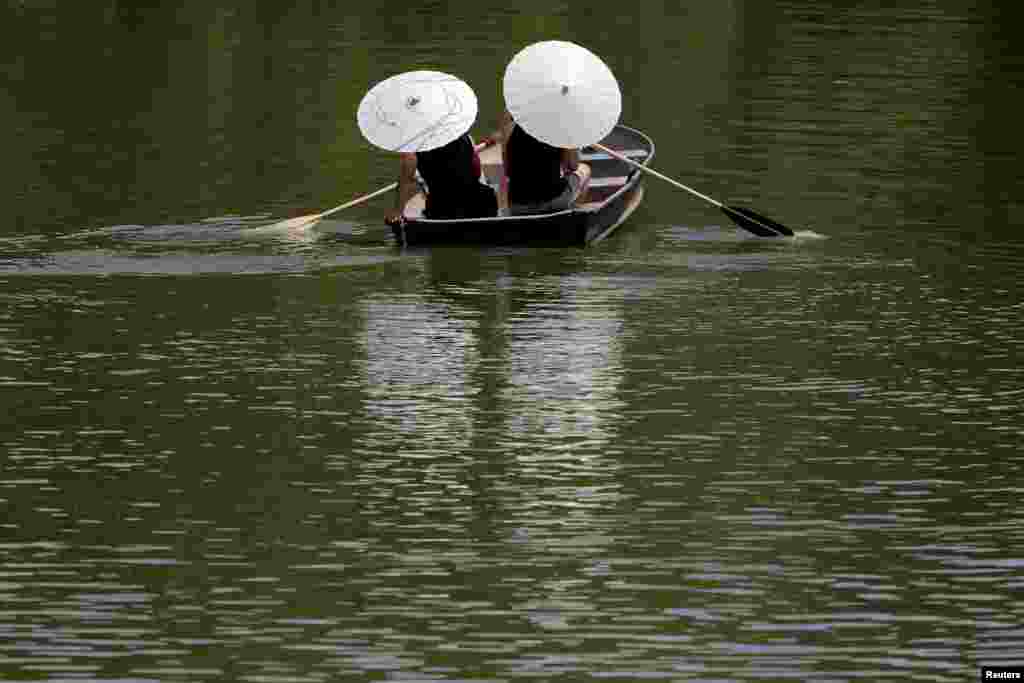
(395, 218)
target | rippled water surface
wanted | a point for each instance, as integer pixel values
(228, 454)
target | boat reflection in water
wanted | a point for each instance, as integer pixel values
(515, 361)
(488, 408)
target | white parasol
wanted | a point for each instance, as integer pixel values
(417, 111)
(562, 94)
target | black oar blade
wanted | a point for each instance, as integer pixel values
(764, 220)
(754, 222)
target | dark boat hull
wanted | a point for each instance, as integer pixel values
(616, 191)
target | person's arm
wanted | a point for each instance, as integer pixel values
(477, 166)
(502, 135)
(406, 185)
(570, 159)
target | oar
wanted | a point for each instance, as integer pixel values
(300, 221)
(743, 217)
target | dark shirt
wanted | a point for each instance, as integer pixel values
(534, 169)
(453, 182)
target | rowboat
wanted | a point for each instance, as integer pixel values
(615, 191)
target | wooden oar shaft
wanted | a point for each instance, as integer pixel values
(354, 202)
(304, 222)
(664, 177)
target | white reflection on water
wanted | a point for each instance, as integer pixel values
(418, 359)
(534, 418)
(564, 375)
(557, 378)
(565, 363)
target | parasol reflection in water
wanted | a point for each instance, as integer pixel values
(510, 444)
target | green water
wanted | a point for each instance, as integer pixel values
(684, 454)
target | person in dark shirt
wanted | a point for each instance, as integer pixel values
(452, 176)
(541, 178)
